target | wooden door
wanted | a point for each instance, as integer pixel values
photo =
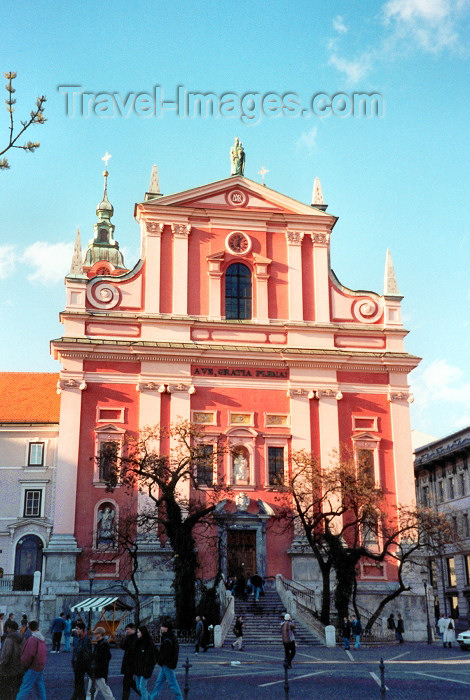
(241, 553)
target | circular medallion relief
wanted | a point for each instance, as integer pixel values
(238, 243)
(236, 198)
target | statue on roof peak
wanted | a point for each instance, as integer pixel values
(237, 158)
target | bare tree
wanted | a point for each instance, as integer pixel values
(36, 117)
(346, 519)
(170, 466)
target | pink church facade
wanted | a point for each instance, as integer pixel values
(232, 319)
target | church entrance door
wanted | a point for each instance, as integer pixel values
(241, 553)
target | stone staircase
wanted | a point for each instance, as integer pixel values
(263, 622)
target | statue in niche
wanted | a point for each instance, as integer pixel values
(106, 526)
(240, 468)
(237, 157)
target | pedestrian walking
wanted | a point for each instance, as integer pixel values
(67, 632)
(238, 632)
(81, 660)
(145, 660)
(2, 622)
(200, 637)
(399, 629)
(11, 668)
(56, 629)
(99, 666)
(23, 624)
(288, 639)
(167, 660)
(346, 632)
(449, 632)
(356, 629)
(391, 624)
(33, 658)
(257, 586)
(441, 625)
(128, 662)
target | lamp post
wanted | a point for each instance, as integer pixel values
(91, 578)
(428, 623)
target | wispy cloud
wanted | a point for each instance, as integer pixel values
(446, 388)
(355, 69)
(7, 261)
(339, 25)
(307, 140)
(49, 262)
(431, 26)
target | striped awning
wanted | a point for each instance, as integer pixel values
(97, 604)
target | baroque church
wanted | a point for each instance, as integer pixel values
(232, 319)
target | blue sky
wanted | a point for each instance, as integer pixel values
(397, 181)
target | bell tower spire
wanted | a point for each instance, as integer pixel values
(102, 247)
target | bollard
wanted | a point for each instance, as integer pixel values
(286, 681)
(383, 689)
(93, 685)
(186, 667)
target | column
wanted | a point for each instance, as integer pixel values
(300, 419)
(294, 263)
(180, 409)
(401, 437)
(180, 268)
(329, 432)
(215, 285)
(152, 252)
(62, 549)
(262, 277)
(320, 276)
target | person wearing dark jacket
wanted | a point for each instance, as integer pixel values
(33, 659)
(167, 660)
(356, 628)
(400, 628)
(100, 665)
(81, 659)
(11, 668)
(56, 629)
(145, 660)
(128, 662)
(346, 632)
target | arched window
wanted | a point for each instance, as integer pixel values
(28, 559)
(238, 292)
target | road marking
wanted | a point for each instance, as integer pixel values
(377, 679)
(308, 656)
(349, 654)
(296, 678)
(440, 678)
(393, 658)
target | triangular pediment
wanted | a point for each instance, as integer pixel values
(237, 193)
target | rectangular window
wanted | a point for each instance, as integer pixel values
(276, 466)
(467, 569)
(466, 526)
(108, 459)
(365, 459)
(205, 465)
(426, 496)
(451, 577)
(462, 483)
(36, 454)
(440, 491)
(451, 488)
(32, 503)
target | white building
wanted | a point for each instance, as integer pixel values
(29, 426)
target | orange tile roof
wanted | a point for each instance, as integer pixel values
(29, 397)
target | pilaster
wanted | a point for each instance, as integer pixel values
(321, 242)
(153, 245)
(294, 263)
(180, 267)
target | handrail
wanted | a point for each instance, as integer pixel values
(227, 602)
(300, 603)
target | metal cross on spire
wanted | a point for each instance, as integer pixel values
(263, 172)
(106, 157)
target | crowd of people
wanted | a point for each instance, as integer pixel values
(24, 654)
